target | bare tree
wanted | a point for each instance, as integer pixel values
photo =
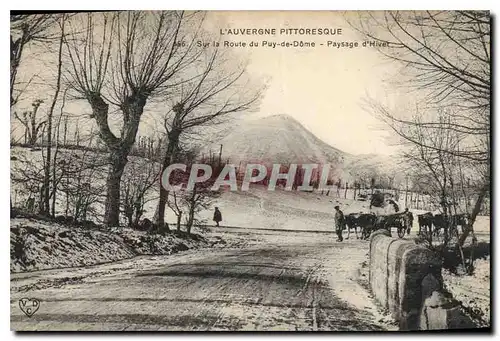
(174, 203)
(84, 193)
(435, 162)
(137, 188)
(123, 60)
(50, 114)
(192, 202)
(445, 54)
(56, 178)
(445, 58)
(27, 175)
(200, 198)
(32, 125)
(26, 29)
(219, 89)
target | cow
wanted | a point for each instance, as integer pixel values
(365, 221)
(454, 221)
(60, 219)
(425, 221)
(461, 220)
(351, 221)
(388, 221)
(148, 226)
(439, 223)
(381, 222)
(401, 221)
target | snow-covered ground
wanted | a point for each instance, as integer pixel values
(473, 291)
(262, 280)
(279, 209)
(299, 210)
(283, 210)
(41, 245)
(37, 245)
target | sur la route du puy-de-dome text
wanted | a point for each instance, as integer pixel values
(227, 33)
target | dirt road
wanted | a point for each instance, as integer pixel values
(264, 280)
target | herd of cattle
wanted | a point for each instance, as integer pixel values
(403, 222)
(439, 221)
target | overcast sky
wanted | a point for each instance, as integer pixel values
(321, 87)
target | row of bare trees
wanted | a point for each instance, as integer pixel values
(122, 65)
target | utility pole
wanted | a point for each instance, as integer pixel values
(406, 195)
(220, 155)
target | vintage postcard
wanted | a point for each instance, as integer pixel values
(250, 171)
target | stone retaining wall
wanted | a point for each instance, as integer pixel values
(404, 276)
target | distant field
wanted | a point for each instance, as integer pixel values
(257, 208)
(295, 210)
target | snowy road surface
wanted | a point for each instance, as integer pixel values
(271, 281)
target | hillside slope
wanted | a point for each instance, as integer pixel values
(282, 139)
(278, 138)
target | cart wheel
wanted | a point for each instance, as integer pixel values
(401, 232)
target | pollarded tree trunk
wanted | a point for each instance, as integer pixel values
(173, 145)
(179, 218)
(162, 203)
(190, 222)
(119, 148)
(117, 165)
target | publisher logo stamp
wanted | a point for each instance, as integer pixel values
(29, 306)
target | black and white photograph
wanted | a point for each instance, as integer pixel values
(250, 171)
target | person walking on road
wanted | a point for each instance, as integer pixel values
(217, 216)
(339, 223)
